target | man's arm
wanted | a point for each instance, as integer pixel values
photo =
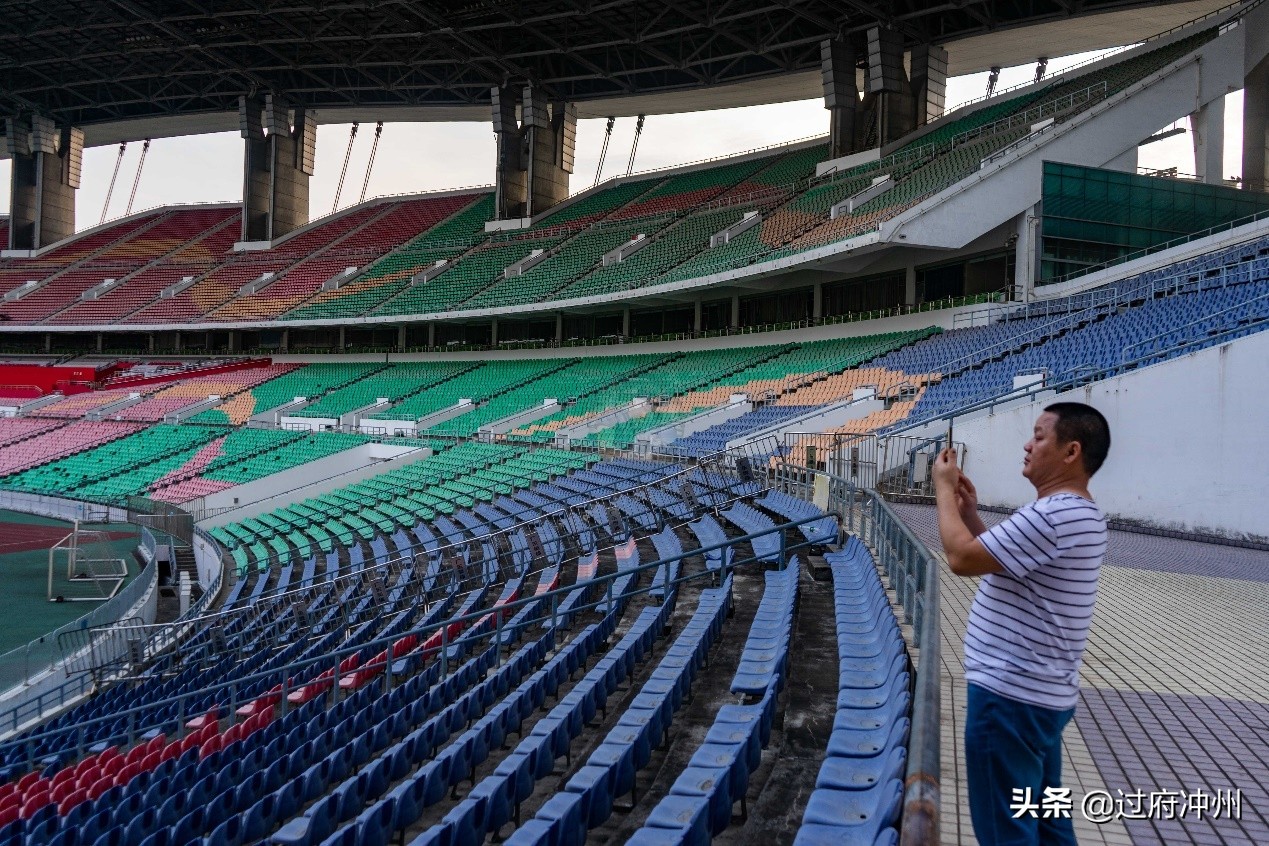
(966, 555)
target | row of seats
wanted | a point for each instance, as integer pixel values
(443, 242)
(859, 788)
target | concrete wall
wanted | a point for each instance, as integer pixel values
(206, 559)
(1187, 446)
(832, 417)
(737, 406)
(306, 480)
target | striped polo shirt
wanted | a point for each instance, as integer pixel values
(1029, 624)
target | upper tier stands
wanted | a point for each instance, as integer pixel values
(364, 235)
(112, 252)
(390, 242)
(386, 277)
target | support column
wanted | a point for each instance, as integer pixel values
(178, 343)
(285, 342)
(535, 154)
(48, 342)
(278, 163)
(150, 342)
(1026, 254)
(401, 337)
(887, 80)
(47, 163)
(696, 318)
(910, 285)
(735, 311)
(235, 340)
(625, 323)
(559, 329)
(929, 83)
(101, 342)
(342, 338)
(552, 141)
(431, 335)
(493, 332)
(510, 198)
(1207, 128)
(817, 300)
(841, 95)
(1256, 128)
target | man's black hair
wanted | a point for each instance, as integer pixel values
(1085, 424)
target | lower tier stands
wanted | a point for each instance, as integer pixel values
(389, 731)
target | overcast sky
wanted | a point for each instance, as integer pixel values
(416, 157)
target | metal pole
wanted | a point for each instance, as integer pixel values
(634, 146)
(603, 151)
(145, 148)
(374, 148)
(339, 189)
(115, 175)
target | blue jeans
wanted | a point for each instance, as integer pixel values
(1012, 745)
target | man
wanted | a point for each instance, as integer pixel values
(1028, 624)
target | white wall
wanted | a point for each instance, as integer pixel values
(1187, 444)
(307, 480)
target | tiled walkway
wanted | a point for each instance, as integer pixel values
(1174, 703)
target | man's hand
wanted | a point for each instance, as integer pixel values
(946, 473)
(967, 505)
(959, 523)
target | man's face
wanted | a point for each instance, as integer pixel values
(1044, 457)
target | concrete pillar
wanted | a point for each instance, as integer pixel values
(178, 342)
(150, 342)
(887, 80)
(1256, 127)
(841, 95)
(929, 82)
(735, 311)
(1026, 254)
(235, 340)
(493, 332)
(559, 329)
(278, 163)
(535, 154)
(625, 323)
(47, 162)
(401, 337)
(1207, 129)
(342, 338)
(910, 285)
(48, 342)
(552, 130)
(285, 344)
(817, 300)
(101, 342)
(696, 318)
(431, 335)
(510, 198)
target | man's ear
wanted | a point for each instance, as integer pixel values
(1074, 452)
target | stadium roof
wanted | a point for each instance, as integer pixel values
(129, 69)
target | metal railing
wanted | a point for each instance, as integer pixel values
(19, 666)
(298, 673)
